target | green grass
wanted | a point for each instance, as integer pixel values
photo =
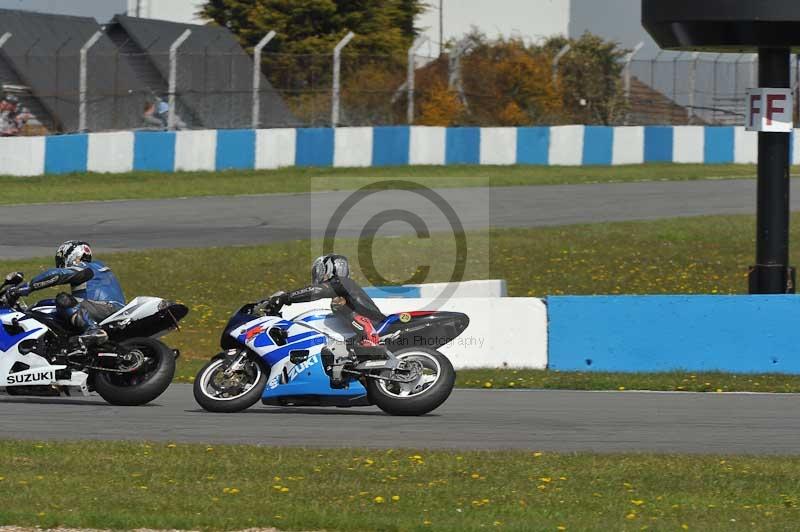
(676, 381)
(166, 486)
(152, 185)
(689, 256)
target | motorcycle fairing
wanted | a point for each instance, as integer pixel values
(302, 381)
(39, 371)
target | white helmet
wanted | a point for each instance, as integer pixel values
(71, 252)
(328, 266)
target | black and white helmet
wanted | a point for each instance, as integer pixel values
(71, 252)
(328, 266)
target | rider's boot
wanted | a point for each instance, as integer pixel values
(93, 336)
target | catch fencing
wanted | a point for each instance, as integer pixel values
(214, 84)
(692, 88)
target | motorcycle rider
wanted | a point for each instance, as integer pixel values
(330, 278)
(96, 292)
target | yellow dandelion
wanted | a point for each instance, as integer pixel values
(475, 476)
(379, 500)
(395, 498)
(171, 446)
(487, 384)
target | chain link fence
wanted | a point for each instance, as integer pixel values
(693, 88)
(215, 89)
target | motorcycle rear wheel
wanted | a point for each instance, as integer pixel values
(144, 385)
(422, 396)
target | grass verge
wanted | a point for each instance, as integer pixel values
(154, 185)
(168, 486)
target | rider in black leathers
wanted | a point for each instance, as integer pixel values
(331, 280)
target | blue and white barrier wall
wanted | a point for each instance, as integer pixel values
(738, 334)
(379, 146)
(742, 334)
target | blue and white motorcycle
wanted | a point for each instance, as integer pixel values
(311, 360)
(41, 354)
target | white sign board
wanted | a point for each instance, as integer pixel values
(770, 110)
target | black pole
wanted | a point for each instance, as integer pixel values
(771, 274)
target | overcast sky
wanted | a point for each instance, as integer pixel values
(533, 19)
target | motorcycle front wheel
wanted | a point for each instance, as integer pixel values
(143, 385)
(218, 389)
(435, 380)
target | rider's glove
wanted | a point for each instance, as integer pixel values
(278, 300)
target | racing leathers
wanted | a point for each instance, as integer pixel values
(96, 293)
(349, 301)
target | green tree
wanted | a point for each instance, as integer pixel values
(382, 27)
(298, 61)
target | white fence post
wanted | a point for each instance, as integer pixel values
(557, 59)
(410, 78)
(693, 84)
(337, 74)
(83, 89)
(626, 75)
(257, 78)
(173, 78)
(455, 81)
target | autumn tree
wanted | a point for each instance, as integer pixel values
(590, 78)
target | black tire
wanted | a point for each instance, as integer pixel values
(229, 405)
(420, 403)
(141, 387)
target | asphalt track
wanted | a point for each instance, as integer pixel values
(33, 230)
(563, 421)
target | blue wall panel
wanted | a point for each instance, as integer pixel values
(463, 145)
(314, 147)
(377, 292)
(390, 146)
(154, 151)
(66, 153)
(598, 145)
(660, 333)
(236, 149)
(533, 145)
(719, 145)
(658, 144)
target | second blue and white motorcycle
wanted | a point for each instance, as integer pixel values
(291, 362)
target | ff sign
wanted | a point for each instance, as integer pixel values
(770, 110)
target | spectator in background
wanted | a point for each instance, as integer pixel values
(151, 117)
(12, 118)
(157, 114)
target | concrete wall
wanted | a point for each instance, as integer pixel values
(381, 146)
(740, 334)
